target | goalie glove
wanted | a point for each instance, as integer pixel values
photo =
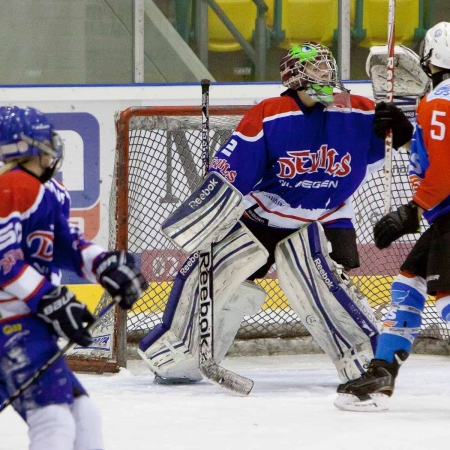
(389, 116)
(396, 224)
(66, 315)
(118, 273)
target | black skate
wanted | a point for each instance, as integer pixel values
(372, 390)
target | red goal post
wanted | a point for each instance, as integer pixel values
(157, 165)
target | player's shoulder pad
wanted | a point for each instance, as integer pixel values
(269, 109)
(361, 103)
(282, 105)
(57, 188)
(19, 192)
(441, 92)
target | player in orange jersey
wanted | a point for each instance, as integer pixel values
(426, 269)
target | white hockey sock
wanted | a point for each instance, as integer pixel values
(51, 427)
(88, 424)
(443, 308)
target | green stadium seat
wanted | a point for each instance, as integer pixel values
(243, 15)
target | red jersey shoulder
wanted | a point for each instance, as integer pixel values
(279, 105)
(430, 102)
(252, 123)
(362, 103)
(19, 191)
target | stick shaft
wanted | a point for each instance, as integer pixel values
(206, 332)
(208, 366)
(389, 98)
(205, 126)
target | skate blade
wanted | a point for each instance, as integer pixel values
(173, 381)
(349, 402)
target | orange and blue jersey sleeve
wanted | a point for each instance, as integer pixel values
(73, 252)
(433, 134)
(18, 279)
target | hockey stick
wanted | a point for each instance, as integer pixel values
(52, 360)
(208, 366)
(390, 99)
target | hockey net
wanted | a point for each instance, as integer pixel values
(158, 165)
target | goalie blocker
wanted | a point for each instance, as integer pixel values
(206, 216)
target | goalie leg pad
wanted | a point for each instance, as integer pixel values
(336, 314)
(171, 348)
(206, 216)
(247, 300)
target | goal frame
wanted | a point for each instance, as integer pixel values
(122, 126)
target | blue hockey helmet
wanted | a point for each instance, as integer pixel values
(27, 132)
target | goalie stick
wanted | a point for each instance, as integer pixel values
(390, 99)
(207, 365)
(52, 360)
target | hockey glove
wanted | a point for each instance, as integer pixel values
(121, 277)
(66, 314)
(389, 116)
(396, 224)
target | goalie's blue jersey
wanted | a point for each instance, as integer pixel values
(295, 165)
(36, 241)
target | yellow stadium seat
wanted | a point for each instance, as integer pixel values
(243, 15)
(375, 22)
(270, 12)
(309, 20)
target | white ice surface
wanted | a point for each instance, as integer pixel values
(290, 407)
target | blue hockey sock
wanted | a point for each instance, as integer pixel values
(402, 322)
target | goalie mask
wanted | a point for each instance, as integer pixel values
(311, 67)
(25, 133)
(435, 47)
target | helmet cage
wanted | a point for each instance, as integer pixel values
(309, 64)
(27, 133)
(54, 150)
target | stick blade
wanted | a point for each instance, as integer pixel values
(226, 379)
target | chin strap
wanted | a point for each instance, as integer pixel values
(439, 77)
(50, 172)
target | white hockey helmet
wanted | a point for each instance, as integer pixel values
(436, 47)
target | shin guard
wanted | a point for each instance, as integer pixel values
(171, 348)
(336, 314)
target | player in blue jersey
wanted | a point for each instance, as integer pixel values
(36, 243)
(425, 270)
(296, 159)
